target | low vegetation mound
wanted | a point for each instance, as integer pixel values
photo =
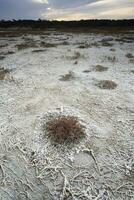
(47, 45)
(67, 77)
(3, 73)
(77, 55)
(26, 46)
(65, 128)
(129, 55)
(100, 68)
(107, 84)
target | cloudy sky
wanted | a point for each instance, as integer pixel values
(66, 9)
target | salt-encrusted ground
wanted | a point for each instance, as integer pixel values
(101, 166)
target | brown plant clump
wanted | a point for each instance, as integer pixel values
(67, 77)
(86, 71)
(129, 55)
(100, 68)
(107, 84)
(65, 128)
(3, 73)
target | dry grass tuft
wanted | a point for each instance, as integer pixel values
(107, 44)
(112, 49)
(129, 55)
(67, 77)
(2, 57)
(76, 62)
(84, 46)
(3, 73)
(77, 55)
(47, 45)
(3, 45)
(100, 68)
(112, 59)
(8, 53)
(65, 128)
(38, 50)
(26, 45)
(107, 84)
(86, 71)
(65, 43)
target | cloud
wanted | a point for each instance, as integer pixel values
(66, 9)
(18, 9)
(118, 13)
(101, 9)
(41, 1)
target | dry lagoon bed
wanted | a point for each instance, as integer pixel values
(86, 75)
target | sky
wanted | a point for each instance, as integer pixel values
(66, 9)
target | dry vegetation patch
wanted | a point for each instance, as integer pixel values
(106, 44)
(129, 55)
(8, 53)
(86, 71)
(107, 84)
(38, 50)
(84, 46)
(65, 128)
(100, 68)
(3, 45)
(111, 59)
(2, 57)
(65, 43)
(77, 55)
(47, 45)
(125, 39)
(67, 77)
(112, 50)
(26, 46)
(3, 73)
(76, 62)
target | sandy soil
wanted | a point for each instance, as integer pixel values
(33, 86)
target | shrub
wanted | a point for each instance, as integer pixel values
(25, 46)
(100, 68)
(86, 71)
(67, 77)
(77, 55)
(3, 73)
(65, 128)
(106, 84)
(47, 45)
(129, 55)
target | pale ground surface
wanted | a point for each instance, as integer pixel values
(100, 167)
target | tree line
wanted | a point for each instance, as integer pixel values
(67, 24)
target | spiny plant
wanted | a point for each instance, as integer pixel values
(65, 128)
